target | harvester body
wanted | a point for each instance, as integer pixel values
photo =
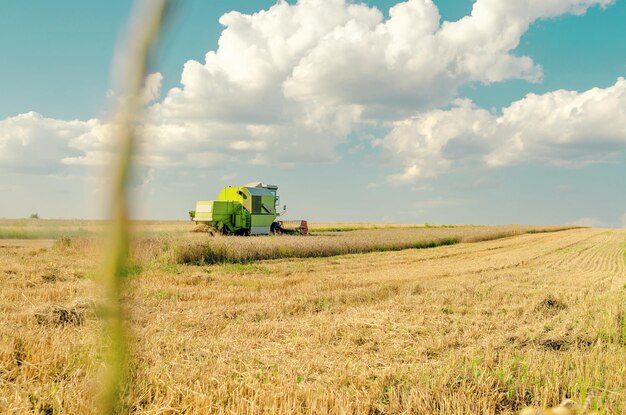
(243, 210)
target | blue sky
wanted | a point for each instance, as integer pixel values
(381, 143)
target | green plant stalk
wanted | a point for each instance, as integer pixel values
(131, 70)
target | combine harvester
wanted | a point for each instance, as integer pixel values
(246, 210)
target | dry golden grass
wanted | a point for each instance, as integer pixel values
(351, 226)
(54, 228)
(175, 241)
(480, 328)
(201, 249)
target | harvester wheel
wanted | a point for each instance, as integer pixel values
(276, 229)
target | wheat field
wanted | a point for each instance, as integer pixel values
(486, 327)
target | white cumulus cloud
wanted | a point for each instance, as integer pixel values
(420, 142)
(152, 87)
(32, 143)
(566, 128)
(288, 84)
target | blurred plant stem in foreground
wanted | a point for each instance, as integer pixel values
(130, 68)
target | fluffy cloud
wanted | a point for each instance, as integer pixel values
(427, 143)
(411, 61)
(152, 87)
(565, 128)
(288, 84)
(32, 143)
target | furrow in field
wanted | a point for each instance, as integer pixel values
(582, 254)
(498, 253)
(602, 254)
(493, 255)
(522, 251)
(562, 257)
(531, 251)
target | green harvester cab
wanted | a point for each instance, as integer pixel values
(244, 210)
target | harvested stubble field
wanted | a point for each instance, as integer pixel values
(480, 328)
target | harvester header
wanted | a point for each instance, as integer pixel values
(244, 210)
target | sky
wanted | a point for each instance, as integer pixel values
(449, 111)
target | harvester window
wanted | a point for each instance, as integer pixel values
(256, 204)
